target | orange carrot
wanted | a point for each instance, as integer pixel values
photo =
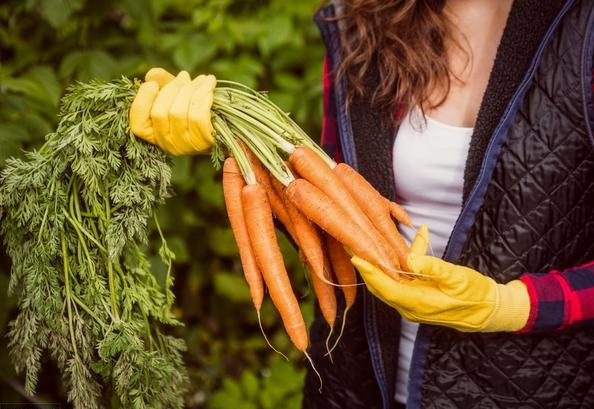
(264, 179)
(233, 184)
(258, 216)
(278, 187)
(343, 269)
(398, 213)
(374, 206)
(308, 240)
(313, 168)
(321, 210)
(326, 298)
(346, 277)
(307, 236)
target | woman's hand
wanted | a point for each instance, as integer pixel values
(173, 112)
(446, 294)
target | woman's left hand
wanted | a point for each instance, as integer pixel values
(173, 112)
(446, 294)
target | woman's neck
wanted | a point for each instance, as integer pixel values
(474, 20)
(477, 27)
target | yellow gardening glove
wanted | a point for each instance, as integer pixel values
(173, 112)
(446, 294)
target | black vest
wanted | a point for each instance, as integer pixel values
(528, 207)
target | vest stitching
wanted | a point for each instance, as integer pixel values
(468, 379)
(586, 77)
(541, 236)
(545, 370)
(563, 218)
(518, 388)
(528, 170)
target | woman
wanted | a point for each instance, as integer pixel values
(477, 117)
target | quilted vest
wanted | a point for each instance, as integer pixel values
(528, 207)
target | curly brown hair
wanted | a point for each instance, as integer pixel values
(407, 41)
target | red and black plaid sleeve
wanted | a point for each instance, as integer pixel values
(330, 141)
(560, 299)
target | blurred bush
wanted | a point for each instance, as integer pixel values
(47, 44)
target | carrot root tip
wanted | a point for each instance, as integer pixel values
(328, 350)
(344, 316)
(315, 370)
(266, 338)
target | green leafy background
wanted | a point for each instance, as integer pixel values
(274, 45)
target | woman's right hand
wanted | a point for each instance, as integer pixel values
(173, 112)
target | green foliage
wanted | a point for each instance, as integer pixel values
(280, 386)
(47, 44)
(76, 214)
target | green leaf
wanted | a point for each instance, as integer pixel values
(194, 50)
(276, 33)
(228, 397)
(221, 400)
(46, 78)
(207, 183)
(179, 248)
(288, 81)
(57, 12)
(222, 242)
(201, 16)
(141, 14)
(23, 85)
(244, 69)
(181, 176)
(11, 138)
(231, 286)
(87, 65)
(250, 385)
(285, 100)
(69, 63)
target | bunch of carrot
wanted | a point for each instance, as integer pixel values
(276, 172)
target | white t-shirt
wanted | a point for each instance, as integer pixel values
(429, 159)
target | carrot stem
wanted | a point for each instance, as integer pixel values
(226, 136)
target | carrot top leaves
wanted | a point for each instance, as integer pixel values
(75, 218)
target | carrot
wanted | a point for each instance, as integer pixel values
(313, 168)
(279, 188)
(345, 275)
(258, 216)
(233, 184)
(321, 210)
(374, 206)
(308, 237)
(326, 300)
(264, 179)
(398, 213)
(309, 241)
(343, 269)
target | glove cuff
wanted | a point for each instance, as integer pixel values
(511, 310)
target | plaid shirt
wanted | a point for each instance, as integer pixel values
(558, 299)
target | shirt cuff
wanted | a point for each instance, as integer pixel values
(560, 299)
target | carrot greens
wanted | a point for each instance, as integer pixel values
(75, 221)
